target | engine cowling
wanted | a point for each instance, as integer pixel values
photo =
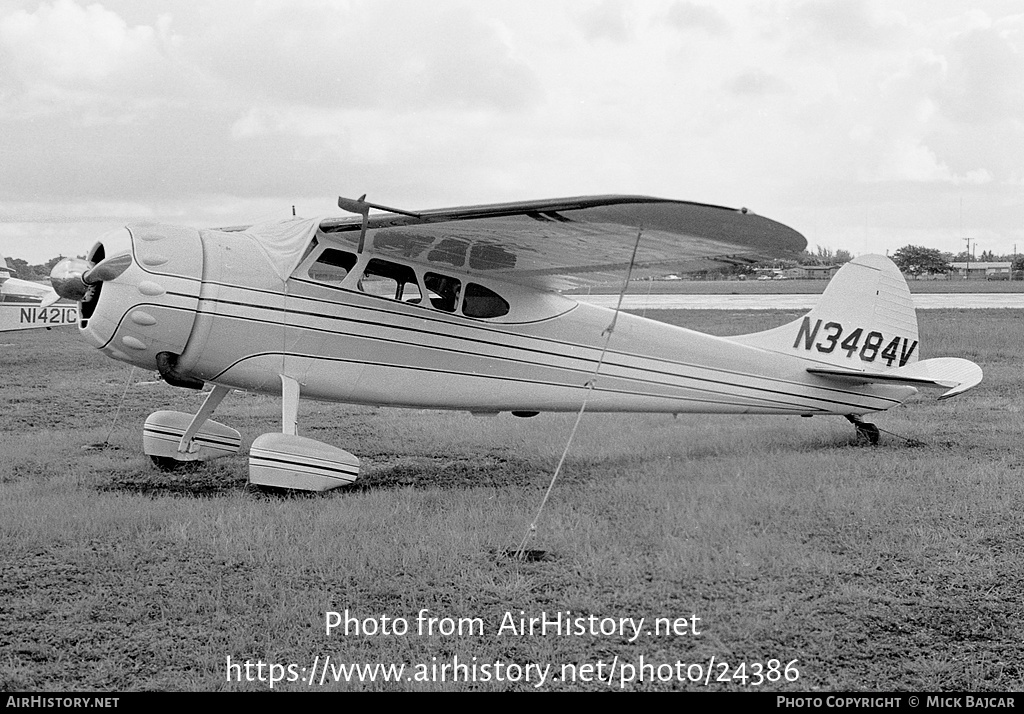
(148, 308)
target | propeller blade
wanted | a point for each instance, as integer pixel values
(107, 269)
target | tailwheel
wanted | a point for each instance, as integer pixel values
(867, 433)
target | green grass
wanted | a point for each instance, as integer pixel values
(893, 568)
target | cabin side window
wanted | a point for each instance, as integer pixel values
(483, 302)
(442, 291)
(390, 280)
(331, 266)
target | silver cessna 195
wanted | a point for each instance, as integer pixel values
(461, 308)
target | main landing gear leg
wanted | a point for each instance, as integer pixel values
(867, 433)
(286, 460)
(210, 404)
(171, 439)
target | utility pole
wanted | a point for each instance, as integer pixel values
(967, 273)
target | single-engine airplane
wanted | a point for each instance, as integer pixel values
(25, 305)
(460, 308)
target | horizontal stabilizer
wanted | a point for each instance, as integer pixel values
(957, 375)
(49, 299)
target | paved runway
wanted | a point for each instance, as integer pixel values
(929, 301)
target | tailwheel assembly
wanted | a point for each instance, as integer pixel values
(867, 433)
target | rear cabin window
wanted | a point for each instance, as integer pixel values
(442, 291)
(483, 302)
(332, 266)
(390, 280)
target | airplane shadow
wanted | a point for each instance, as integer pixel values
(448, 471)
(380, 473)
(195, 479)
(385, 472)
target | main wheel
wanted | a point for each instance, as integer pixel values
(166, 463)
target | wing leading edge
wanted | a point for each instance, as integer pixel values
(571, 242)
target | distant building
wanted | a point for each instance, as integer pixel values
(980, 270)
(819, 272)
(810, 272)
(797, 272)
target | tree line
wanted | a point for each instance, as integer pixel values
(919, 260)
(21, 269)
(910, 259)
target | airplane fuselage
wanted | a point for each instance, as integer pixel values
(213, 302)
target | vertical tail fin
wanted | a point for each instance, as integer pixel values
(863, 331)
(865, 320)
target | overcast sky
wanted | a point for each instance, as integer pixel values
(865, 125)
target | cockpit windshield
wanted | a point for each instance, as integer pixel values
(332, 266)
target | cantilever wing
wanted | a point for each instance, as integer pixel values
(569, 242)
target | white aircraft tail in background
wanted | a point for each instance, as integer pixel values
(25, 305)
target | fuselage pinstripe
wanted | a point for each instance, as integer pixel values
(542, 351)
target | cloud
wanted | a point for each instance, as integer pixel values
(65, 43)
(756, 82)
(67, 58)
(851, 23)
(605, 20)
(691, 16)
(983, 79)
(264, 99)
(362, 55)
(908, 161)
(218, 111)
(958, 98)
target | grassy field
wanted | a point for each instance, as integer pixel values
(894, 567)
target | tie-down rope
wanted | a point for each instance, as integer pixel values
(532, 530)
